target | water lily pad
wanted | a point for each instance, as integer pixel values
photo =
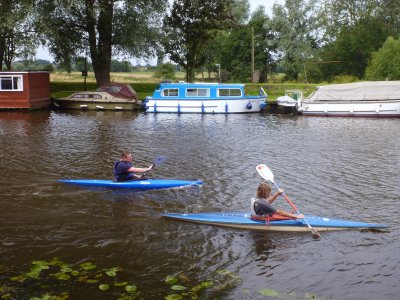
(104, 287)
(66, 269)
(178, 287)
(203, 285)
(171, 280)
(113, 271)
(61, 276)
(88, 266)
(121, 283)
(131, 288)
(91, 280)
(34, 272)
(174, 297)
(269, 293)
(41, 264)
(19, 278)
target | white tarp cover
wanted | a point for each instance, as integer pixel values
(366, 90)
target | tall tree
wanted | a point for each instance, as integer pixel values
(351, 31)
(235, 48)
(294, 24)
(190, 26)
(17, 40)
(101, 28)
(385, 63)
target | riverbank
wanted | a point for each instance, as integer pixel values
(143, 83)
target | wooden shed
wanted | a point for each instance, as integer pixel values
(24, 89)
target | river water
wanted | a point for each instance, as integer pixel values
(337, 167)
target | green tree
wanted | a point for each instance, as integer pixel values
(235, 48)
(100, 28)
(294, 24)
(17, 40)
(352, 48)
(190, 26)
(120, 66)
(385, 63)
(166, 71)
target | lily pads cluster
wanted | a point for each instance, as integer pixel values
(55, 274)
(53, 280)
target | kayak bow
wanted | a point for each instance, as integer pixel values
(243, 220)
(144, 184)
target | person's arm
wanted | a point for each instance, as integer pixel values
(140, 170)
(272, 198)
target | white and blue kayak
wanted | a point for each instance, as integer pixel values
(142, 184)
(244, 220)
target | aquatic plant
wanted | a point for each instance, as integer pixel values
(52, 280)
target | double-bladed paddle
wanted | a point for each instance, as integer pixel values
(157, 161)
(267, 174)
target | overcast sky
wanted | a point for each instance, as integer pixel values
(44, 54)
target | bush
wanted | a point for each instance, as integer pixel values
(166, 71)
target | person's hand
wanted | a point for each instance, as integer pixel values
(280, 191)
(301, 216)
(151, 167)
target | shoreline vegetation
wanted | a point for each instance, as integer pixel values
(143, 82)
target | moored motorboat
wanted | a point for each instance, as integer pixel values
(244, 220)
(359, 99)
(203, 98)
(290, 99)
(141, 184)
(114, 96)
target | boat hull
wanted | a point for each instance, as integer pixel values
(388, 109)
(203, 106)
(145, 184)
(95, 105)
(242, 220)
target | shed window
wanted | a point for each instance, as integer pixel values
(170, 92)
(229, 92)
(197, 92)
(11, 83)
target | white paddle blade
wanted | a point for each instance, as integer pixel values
(265, 172)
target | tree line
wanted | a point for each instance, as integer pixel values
(307, 40)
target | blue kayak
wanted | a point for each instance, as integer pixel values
(144, 184)
(243, 220)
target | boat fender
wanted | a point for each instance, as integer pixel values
(179, 108)
(249, 105)
(226, 107)
(202, 107)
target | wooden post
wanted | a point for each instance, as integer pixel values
(252, 54)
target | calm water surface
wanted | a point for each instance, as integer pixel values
(338, 167)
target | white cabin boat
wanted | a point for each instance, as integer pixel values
(360, 99)
(203, 98)
(114, 96)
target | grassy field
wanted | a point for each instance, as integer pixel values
(144, 83)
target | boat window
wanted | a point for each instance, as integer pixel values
(197, 92)
(96, 96)
(170, 92)
(79, 96)
(11, 83)
(229, 92)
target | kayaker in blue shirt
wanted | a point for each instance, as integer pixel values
(261, 205)
(124, 170)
